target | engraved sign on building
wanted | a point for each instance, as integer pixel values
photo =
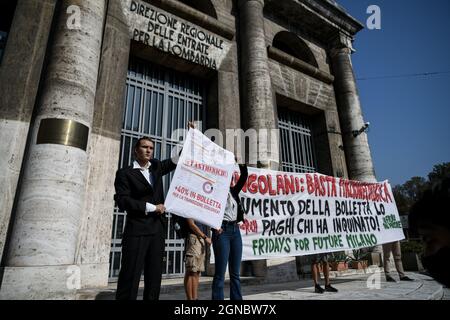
(157, 28)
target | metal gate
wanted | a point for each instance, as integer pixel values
(297, 146)
(158, 100)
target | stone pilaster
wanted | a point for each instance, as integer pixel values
(335, 143)
(49, 208)
(228, 92)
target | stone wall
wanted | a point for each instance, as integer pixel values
(271, 28)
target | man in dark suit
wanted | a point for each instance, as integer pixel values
(139, 192)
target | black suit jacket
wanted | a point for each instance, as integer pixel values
(132, 193)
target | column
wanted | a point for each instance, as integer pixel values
(259, 111)
(357, 150)
(41, 254)
(20, 74)
(258, 103)
(94, 241)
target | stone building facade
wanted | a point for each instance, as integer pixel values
(81, 80)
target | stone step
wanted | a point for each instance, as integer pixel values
(176, 285)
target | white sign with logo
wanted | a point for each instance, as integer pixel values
(201, 181)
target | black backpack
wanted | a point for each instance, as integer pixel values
(181, 226)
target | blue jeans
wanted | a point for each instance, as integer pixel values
(227, 249)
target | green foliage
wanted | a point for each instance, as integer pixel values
(414, 187)
(440, 171)
(359, 255)
(412, 246)
(338, 257)
(408, 193)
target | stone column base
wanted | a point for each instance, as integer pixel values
(282, 270)
(94, 275)
(39, 283)
(51, 282)
(254, 268)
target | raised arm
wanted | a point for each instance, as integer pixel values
(167, 166)
(242, 179)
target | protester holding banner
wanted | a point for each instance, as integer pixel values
(195, 257)
(227, 243)
(395, 248)
(139, 192)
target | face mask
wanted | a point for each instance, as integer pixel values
(436, 265)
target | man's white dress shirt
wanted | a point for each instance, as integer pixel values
(149, 207)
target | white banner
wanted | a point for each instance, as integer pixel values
(300, 214)
(201, 181)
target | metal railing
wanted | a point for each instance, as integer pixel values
(297, 145)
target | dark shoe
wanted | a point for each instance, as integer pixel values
(405, 278)
(318, 289)
(390, 279)
(329, 288)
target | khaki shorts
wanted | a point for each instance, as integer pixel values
(195, 254)
(320, 257)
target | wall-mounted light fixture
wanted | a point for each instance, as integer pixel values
(363, 129)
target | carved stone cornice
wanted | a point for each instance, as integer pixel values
(341, 43)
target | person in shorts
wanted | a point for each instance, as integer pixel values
(196, 243)
(316, 260)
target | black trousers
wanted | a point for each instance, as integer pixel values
(141, 253)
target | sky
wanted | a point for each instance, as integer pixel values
(409, 116)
